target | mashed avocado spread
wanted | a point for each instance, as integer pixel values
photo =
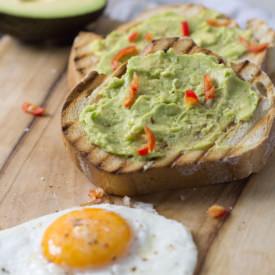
(164, 78)
(225, 41)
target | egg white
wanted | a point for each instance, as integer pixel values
(160, 246)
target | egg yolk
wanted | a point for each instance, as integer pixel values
(90, 237)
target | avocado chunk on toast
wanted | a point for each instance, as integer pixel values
(88, 52)
(239, 150)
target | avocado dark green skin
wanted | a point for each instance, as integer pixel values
(36, 30)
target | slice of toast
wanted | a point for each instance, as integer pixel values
(82, 59)
(247, 149)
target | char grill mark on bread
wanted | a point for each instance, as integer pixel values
(81, 60)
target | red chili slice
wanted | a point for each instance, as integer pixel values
(190, 98)
(185, 28)
(143, 151)
(149, 37)
(151, 139)
(209, 88)
(133, 37)
(125, 52)
(151, 142)
(33, 109)
(130, 100)
(217, 211)
(253, 47)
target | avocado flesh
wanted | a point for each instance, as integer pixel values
(50, 8)
(44, 20)
(163, 80)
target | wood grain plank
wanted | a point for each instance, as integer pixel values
(26, 74)
(39, 177)
(246, 244)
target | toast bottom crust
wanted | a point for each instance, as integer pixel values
(171, 178)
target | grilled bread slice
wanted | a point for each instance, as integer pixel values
(82, 60)
(247, 149)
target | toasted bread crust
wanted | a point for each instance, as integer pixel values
(127, 177)
(80, 54)
(80, 64)
(264, 34)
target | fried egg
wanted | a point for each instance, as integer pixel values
(100, 240)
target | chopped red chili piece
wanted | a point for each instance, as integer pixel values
(133, 37)
(217, 211)
(253, 47)
(209, 88)
(190, 98)
(125, 52)
(218, 22)
(151, 142)
(151, 139)
(143, 151)
(33, 109)
(149, 37)
(132, 92)
(185, 28)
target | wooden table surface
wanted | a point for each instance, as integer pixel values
(37, 177)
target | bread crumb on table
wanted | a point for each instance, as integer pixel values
(96, 195)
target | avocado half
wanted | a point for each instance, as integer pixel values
(43, 20)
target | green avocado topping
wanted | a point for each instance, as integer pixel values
(225, 41)
(163, 80)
